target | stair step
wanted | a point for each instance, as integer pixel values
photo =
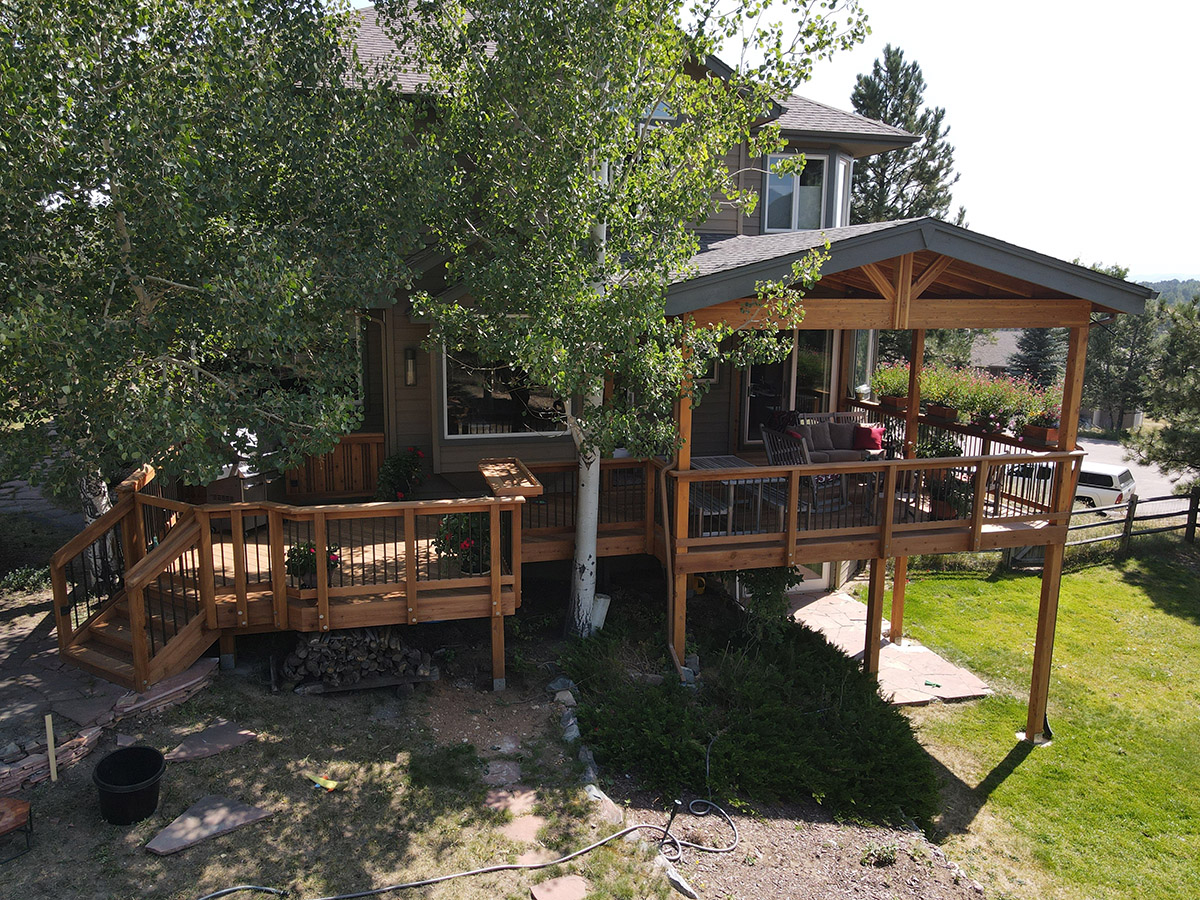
(107, 662)
(114, 631)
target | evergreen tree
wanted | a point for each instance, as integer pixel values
(914, 181)
(1173, 395)
(1041, 355)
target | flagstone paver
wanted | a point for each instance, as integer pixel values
(206, 818)
(523, 829)
(910, 674)
(221, 735)
(568, 887)
(518, 799)
(502, 772)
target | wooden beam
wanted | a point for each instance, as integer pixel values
(843, 389)
(916, 358)
(880, 281)
(498, 681)
(1077, 341)
(930, 275)
(899, 585)
(1043, 647)
(874, 633)
(904, 271)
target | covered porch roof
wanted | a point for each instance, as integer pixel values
(909, 274)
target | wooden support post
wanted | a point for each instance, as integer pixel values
(62, 606)
(239, 566)
(978, 502)
(228, 645)
(1189, 533)
(132, 540)
(498, 681)
(1043, 647)
(515, 515)
(792, 511)
(648, 475)
(677, 623)
(322, 571)
(843, 389)
(278, 567)
(1068, 428)
(874, 633)
(887, 514)
(410, 563)
(1127, 530)
(899, 586)
(137, 628)
(208, 581)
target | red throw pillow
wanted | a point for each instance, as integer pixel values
(868, 437)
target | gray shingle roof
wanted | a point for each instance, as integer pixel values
(735, 252)
(378, 52)
(803, 115)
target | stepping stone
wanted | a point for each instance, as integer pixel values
(518, 800)
(502, 772)
(84, 712)
(569, 887)
(204, 819)
(219, 736)
(536, 857)
(523, 829)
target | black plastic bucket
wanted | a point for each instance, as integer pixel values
(128, 783)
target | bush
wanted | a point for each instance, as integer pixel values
(778, 721)
(890, 380)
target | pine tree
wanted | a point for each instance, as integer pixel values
(1041, 355)
(914, 181)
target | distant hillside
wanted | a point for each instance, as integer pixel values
(1176, 291)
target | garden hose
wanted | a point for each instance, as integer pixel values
(670, 847)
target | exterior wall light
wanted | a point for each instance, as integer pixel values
(410, 367)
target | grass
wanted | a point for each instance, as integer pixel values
(1111, 809)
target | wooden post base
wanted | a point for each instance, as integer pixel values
(228, 644)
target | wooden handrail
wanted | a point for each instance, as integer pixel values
(92, 533)
(181, 539)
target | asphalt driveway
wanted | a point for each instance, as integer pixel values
(1151, 481)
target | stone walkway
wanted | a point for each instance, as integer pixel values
(20, 497)
(910, 674)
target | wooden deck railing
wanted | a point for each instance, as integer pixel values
(348, 470)
(780, 515)
(971, 440)
(184, 571)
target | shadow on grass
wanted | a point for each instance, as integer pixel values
(962, 802)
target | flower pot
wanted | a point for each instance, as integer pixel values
(899, 404)
(1037, 434)
(942, 413)
(474, 566)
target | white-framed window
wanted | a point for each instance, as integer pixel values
(845, 170)
(481, 400)
(795, 202)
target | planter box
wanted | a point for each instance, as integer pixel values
(899, 404)
(1036, 434)
(942, 413)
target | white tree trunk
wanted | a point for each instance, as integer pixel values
(587, 518)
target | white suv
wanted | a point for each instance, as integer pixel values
(1101, 484)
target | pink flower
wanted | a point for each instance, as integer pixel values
(467, 544)
(333, 557)
(399, 495)
(312, 549)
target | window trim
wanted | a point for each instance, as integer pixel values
(766, 195)
(502, 436)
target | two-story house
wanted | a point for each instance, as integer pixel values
(179, 575)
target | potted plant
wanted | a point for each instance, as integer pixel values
(399, 474)
(941, 392)
(301, 562)
(1041, 424)
(951, 498)
(465, 537)
(890, 384)
(991, 403)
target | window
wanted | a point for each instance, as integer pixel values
(482, 400)
(796, 202)
(841, 206)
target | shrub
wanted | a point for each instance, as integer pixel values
(890, 380)
(25, 579)
(787, 720)
(399, 474)
(301, 559)
(943, 386)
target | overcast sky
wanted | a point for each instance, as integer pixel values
(1074, 123)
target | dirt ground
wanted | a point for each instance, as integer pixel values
(415, 803)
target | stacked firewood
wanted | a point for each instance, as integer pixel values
(341, 658)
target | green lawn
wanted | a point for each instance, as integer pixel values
(1112, 807)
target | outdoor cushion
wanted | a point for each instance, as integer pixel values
(842, 435)
(802, 433)
(820, 439)
(868, 437)
(819, 456)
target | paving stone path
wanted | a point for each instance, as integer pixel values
(910, 674)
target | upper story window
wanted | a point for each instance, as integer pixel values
(796, 202)
(483, 400)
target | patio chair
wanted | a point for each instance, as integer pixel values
(784, 450)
